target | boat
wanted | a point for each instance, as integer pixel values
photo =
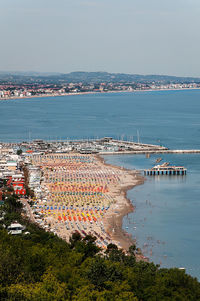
(158, 160)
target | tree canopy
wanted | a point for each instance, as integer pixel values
(41, 266)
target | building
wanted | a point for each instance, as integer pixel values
(18, 184)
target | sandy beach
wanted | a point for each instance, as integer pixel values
(122, 206)
(81, 193)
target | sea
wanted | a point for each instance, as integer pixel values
(166, 220)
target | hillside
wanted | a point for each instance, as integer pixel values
(88, 77)
(40, 266)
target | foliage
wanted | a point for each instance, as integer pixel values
(19, 152)
(41, 266)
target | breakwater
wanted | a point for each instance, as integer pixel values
(155, 151)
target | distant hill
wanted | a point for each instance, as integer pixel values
(122, 77)
(89, 77)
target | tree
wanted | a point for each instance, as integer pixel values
(74, 239)
(19, 152)
(14, 204)
(98, 273)
(132, 249)
(86, 246)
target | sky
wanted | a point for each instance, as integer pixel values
(120, 36)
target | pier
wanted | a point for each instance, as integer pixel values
(165, 170)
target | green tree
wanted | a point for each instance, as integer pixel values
(19, 152)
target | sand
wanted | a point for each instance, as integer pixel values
(108, 225)
(122, 206)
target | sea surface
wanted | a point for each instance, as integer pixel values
(166, 221)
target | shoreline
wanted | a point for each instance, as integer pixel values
(124, 206)
(95, 92)
(113, 204)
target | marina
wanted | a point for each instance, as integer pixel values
(85, 146)
(101, 146)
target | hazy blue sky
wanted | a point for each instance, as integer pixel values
(132, 36)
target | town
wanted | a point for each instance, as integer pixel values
(66, 182)
(20, 85)
(14, 156)
(8, 91)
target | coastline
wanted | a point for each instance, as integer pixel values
(94, 92)
(122, 207)
(113, 203)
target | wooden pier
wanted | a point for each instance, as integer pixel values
(165, 170)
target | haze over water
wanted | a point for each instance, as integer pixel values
(167, 208)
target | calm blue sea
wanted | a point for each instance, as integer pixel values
(166, 221)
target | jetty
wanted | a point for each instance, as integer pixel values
(165, 169)
(101, 146)
(149, 152)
